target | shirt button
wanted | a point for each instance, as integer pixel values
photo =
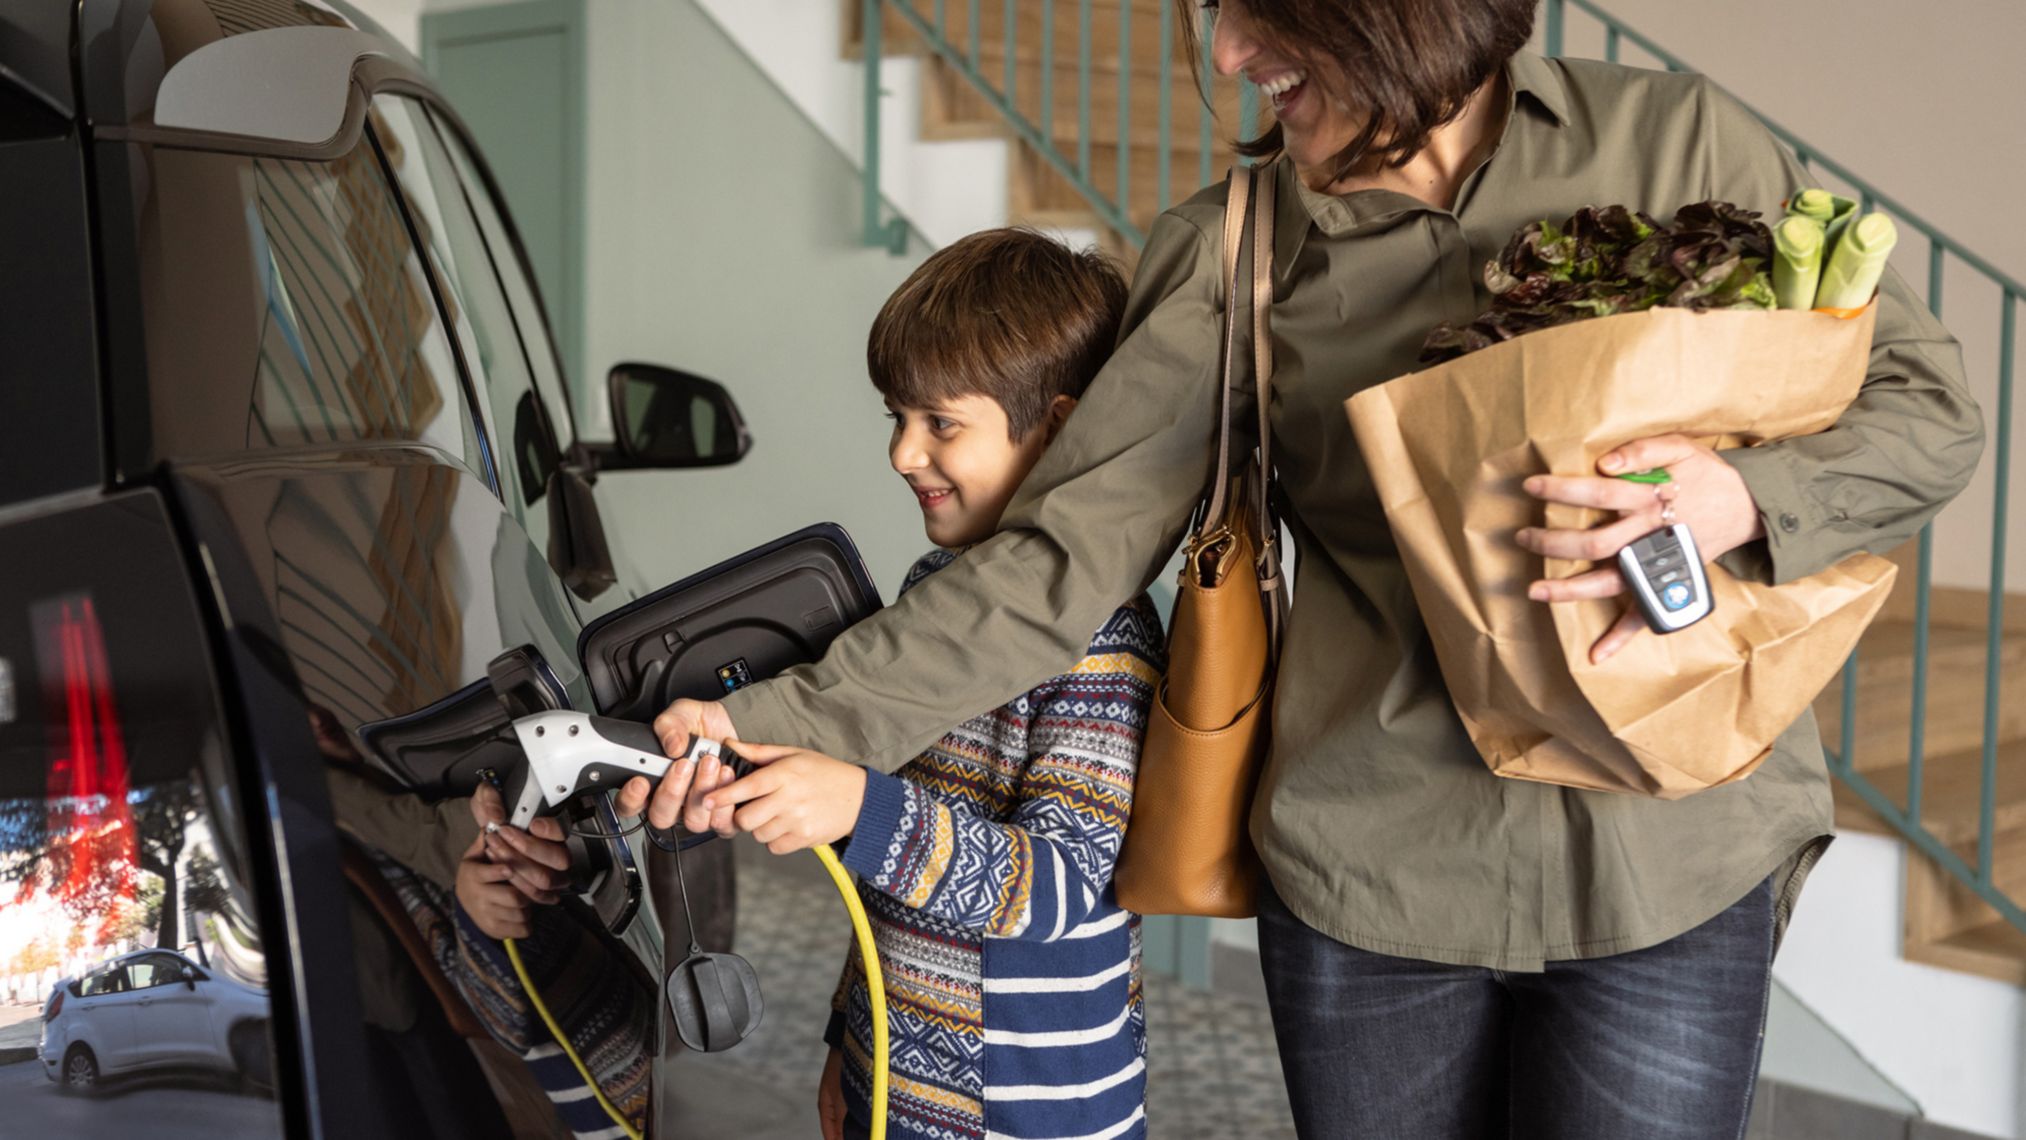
(1789, 523)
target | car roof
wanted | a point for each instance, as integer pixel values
(124, 49)
(118, 958)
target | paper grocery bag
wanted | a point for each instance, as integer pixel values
(1670, 714)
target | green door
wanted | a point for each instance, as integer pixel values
(515, 74)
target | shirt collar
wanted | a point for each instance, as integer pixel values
(1534, 76)
(1529, 74)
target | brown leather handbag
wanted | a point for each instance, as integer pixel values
(1186, 849)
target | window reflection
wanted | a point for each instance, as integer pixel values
(351, 345)
(131, 969)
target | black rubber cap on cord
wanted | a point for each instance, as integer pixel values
(715, 999)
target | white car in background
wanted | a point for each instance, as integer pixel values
(152, 1010)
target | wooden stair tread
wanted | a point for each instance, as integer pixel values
(1951, 794)
(1996, 950)
(1883, 705)
(1889, 644)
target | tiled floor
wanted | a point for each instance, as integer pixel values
(1212, 1069)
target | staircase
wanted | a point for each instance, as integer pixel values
(1945, 923)
(1086, 84)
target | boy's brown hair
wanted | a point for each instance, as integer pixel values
(1006, 313)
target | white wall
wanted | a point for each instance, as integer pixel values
(722, 237)
(947, 189)
(1952, 1041)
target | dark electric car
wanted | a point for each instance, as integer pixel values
(294, 516)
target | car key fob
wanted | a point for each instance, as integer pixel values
(1666, 574)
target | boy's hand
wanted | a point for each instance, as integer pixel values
(795, 799)
(695, 718)
(536, 862)
(830, 1096)
(486, 895)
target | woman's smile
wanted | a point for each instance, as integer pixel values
(1282, 88)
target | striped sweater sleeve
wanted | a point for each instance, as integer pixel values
(1036, 874)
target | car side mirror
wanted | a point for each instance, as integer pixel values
(190, 977)
(664, 417)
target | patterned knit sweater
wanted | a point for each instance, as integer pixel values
(1012, 975)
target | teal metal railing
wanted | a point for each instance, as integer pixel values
(954, 35)
(1976, 871)
(1123, 203)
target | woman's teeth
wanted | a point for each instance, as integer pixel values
(1280, 85)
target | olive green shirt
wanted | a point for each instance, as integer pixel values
(1378, 822)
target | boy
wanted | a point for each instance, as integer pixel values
(1012, 975)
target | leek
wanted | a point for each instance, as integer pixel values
(1856, 263)
(1832, 210)
(1797, 261)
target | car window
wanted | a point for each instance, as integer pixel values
(524, 440)
(550, 381)
(104, 982)
(352, 344)
(151, 971)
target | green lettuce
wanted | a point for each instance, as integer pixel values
(1601, 262)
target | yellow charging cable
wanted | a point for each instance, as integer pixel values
(556, 1031)
(875, 986)
(875, 982)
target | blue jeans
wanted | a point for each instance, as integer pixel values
(1656, 1044)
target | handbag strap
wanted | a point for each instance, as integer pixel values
(1248, 208)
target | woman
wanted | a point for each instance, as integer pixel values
(1448, 954)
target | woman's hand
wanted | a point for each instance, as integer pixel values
(793, 798)
(678, 722)
(1707, 494)
(830, 1096)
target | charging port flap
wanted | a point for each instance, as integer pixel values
(740, 621)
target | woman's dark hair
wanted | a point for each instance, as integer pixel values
(1410, 65)
(1007, 313)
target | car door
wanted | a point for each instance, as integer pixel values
(104, 1018)
(171, 1024)
(332, 463)
(514, 376)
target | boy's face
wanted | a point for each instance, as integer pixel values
(962, 465)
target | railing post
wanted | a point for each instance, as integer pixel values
(893, 234)
(1125, 105)
(1083, 86)
(868, 37)
(1012, 36)
(2008, 327)
(1552, 34)
(1916, 737)
(1167, 117)
(1047, 70)
(1205, 134)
